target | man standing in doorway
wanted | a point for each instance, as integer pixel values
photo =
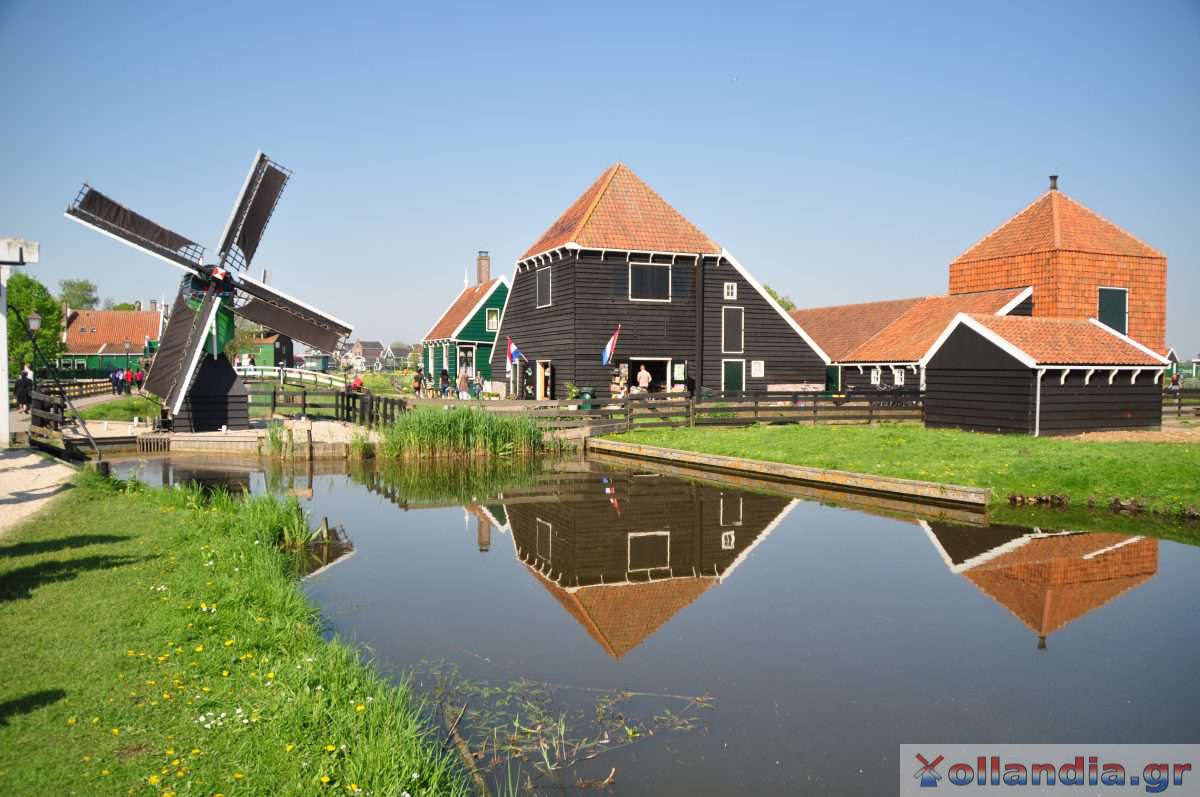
(644, 378)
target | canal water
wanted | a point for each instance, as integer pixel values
(617, 631)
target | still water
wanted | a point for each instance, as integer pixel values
(703, 640)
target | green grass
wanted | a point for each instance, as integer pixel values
(1163, 476)
(459, 431)
(156, 644)
(123, 408)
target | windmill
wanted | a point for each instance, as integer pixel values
(199, 388)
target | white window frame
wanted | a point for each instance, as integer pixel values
(898, 377)
(758, 369)
(876, 375)
(742, 310)
(1099, 288)
(537, 538)
(549, 286)
(670, 368)
(670, 280)
(491, 319)
(728, 540)
(721, 512)
(629, 550)
(731, 291)
(724, 360)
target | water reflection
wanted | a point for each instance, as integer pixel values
(1046, 579)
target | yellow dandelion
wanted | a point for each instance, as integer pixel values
(199, 648)
(360, 708)
(329, 748)
(71, 721)
(105, 772)
(224, 673)
(325, 779)
(290, 747)
(115, 731)
(175, 762)
(238, 776)
(228, 643)
(170, 751)
(195, 751)
(152, 780)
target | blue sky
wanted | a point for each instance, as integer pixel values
(843, 152)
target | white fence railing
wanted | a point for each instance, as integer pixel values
(291, 376)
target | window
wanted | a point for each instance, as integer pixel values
(876, 375)
(648, 550)
(732, 330)
(731, 291)
(898, 377)
(493, 319)
(729, 514)
(728, 540)
(544, 540)
(543, 287)
(757, 368)
(1113, 308)
(649, 282)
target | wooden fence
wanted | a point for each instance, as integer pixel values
(1182, 403)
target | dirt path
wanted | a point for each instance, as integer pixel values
(28, 482)
(1173, 431)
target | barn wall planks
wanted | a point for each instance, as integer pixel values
(970, 384)
(1072, 406)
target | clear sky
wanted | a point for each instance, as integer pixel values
(844, 152)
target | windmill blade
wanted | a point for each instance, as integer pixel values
(101, 213)
(180, 349)
(278, 311)
(251, 212)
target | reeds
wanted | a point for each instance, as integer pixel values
(459, 431)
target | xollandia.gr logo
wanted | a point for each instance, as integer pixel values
(1051, 769)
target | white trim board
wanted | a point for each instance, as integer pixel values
(670, 267)
(799, 330)
(479, 305)
(1015, 302)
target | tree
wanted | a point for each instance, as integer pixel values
(78, 294)
(26, 294)
(784, 301)
(244, 338)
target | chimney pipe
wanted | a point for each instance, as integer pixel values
(154, 305)
(137, 305)
(1054, 182)
(483, 267)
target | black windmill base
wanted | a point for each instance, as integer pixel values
(218, 400)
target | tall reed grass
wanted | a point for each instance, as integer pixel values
(459, 431)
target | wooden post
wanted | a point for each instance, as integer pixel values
(628, 413)
(691, 417)
(870, 412)
(303, 402)
(756, 409)
(1179, 404)
(814, 405)
(273, 401)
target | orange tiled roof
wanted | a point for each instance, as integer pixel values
(841, 329)
(1066, 341)
(1053, 222)
(619, 211)
(90, 331)
(458, 310)
(908, 337)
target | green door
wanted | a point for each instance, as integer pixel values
(733, 376)
(1113, 308)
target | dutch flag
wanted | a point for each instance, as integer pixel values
(514, 353)
(607, 355)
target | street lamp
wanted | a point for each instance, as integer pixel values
(34, 321)
(13, 252)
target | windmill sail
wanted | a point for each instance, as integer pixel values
(251, 212)
(100, 212)
(282, 313)
(181, 349)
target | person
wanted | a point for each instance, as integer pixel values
(139, 377)
(464, 385)
(445, 383)
(356, 384)
(416, 385)
(251, 360)
(23, 392)
(644, 378)
(1176, 382)
(128, 381)
(115, 378)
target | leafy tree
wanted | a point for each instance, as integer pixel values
(784, 301)
(243, 340)
(26, 294)
(123, 306)
(78, 294)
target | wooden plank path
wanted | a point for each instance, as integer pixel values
(925, 492)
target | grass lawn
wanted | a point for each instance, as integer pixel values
(1162, 476)
(123, 408)
(156, 645)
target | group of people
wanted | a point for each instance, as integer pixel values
(23, 389)
(465, 386)
(124, 380)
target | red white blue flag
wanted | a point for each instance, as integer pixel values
(514, 353)
(607, 355)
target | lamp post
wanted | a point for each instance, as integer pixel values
(13, 252)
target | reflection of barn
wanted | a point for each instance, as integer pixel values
(1047, 580)
(623, 553)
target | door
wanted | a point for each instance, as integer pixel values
(466, 360)
(733, 376)
(545, 380)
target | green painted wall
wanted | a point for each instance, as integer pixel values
(475, 330)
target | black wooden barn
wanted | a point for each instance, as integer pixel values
(620, 255)
(1040, 376)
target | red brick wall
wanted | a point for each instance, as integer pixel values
(1066, 285)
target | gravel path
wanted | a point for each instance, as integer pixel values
(28, 481)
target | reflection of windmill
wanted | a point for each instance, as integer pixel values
(197, 384)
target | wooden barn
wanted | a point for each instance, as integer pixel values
(464, 337)
(878, 345)
(1040, 376)
(688, 312)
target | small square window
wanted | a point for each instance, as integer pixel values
(731, 291)
(493, 319)
(757, 368)
(728, 540)
(898, 376)
(876, 376)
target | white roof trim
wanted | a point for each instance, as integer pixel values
(795, 325)
(1157, 357)
(479, 305)
(962, 319)
(992, 553)
(1016, 301)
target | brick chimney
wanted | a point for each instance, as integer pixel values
(154, 305)
(483, 267)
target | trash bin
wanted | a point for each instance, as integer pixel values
(586, 395)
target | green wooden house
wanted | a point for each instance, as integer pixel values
(463, 338)
(99, 341)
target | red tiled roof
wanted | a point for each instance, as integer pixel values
(1066, 341)
(619, 211)
(1053, 222)
(841, 329)
(459, 310)
(89, 331)
(908, 337)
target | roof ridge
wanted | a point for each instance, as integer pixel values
(860, 304)
(583, 221)
(1054, 218)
